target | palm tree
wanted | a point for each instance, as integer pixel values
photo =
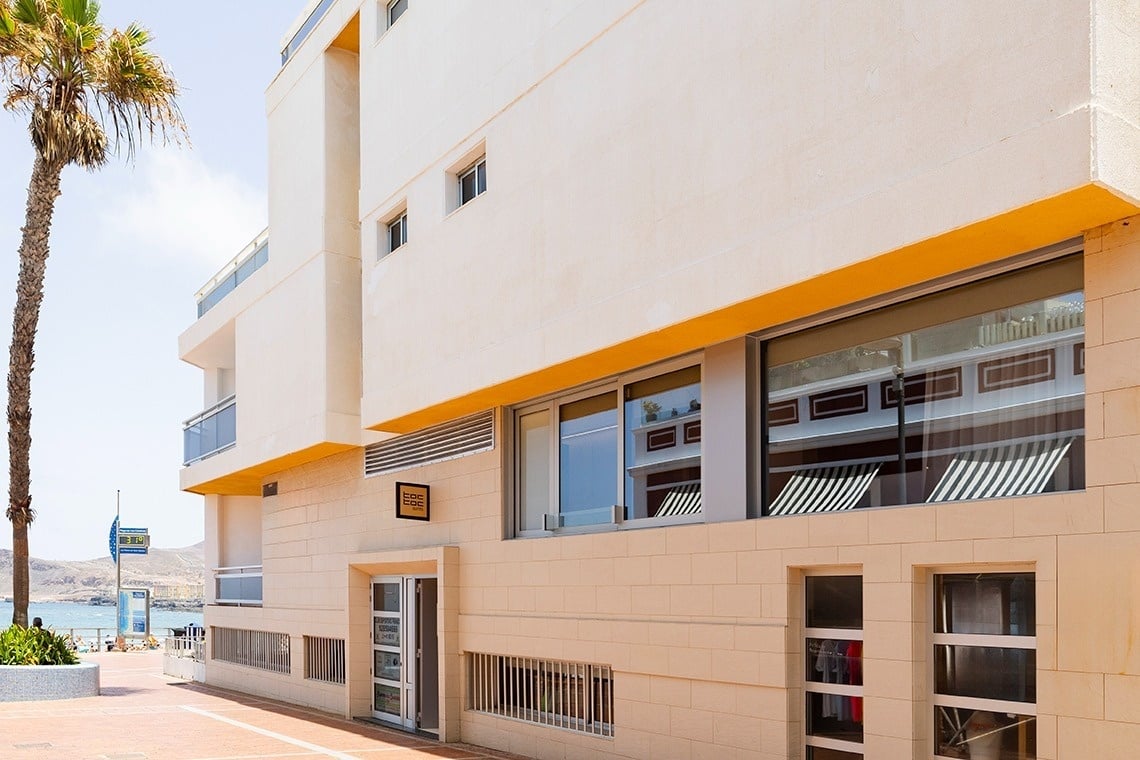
(86, 92)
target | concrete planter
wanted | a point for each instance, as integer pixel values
(27, 683)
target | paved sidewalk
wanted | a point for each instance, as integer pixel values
(145, 715)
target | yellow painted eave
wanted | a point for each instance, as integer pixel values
(247, 481)
(987, 241)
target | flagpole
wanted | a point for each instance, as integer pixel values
(118, 574)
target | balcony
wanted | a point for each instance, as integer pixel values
(249, 260)
(209, 432)
(238, 586)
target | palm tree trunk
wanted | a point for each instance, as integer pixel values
(43, 189)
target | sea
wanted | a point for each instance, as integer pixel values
(64, 616)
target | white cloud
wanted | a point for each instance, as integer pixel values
(178, 206)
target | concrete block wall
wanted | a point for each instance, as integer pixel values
(1096, 685)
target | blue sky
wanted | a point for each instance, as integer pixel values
(130, 246)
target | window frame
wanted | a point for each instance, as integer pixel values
(402, 220)
(552, 403)
(760, 363)
(389, 6)
(1000, 641)
(472, 168)
(818, 687)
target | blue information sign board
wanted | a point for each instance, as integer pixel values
(134, 612)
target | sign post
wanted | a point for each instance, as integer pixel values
(132, 606)
(118, 575)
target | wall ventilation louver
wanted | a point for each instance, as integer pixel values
(469, 435)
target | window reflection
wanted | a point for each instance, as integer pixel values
(663, 445)
(588, 459)
(992, 403)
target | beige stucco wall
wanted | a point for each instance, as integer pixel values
(647, 165)
(288, 339)
(239, 531)
(701, 623)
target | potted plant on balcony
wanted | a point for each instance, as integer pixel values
(650, 408)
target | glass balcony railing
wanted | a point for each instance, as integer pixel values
(305, 30)
(251, 258)
(239, 586)
(212, 431)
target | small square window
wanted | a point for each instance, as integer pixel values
(473, 181)
(397, 234)
(396, 9)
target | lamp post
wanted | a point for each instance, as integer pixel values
(118, 575)
(899, 384)
(892, 349)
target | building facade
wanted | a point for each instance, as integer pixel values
(644, 380)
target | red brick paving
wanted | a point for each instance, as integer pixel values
(142, 714)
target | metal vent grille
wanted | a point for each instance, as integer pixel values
(324, 659)
(469, 435)
(577, 696)
(256, 649)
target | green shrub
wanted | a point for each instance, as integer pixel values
(34, 646)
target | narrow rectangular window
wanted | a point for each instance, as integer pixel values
(985, 666)
(535, 464)
(397, 232)
(396, 9)
(833, 667)
(587, 456)
(473, 181)
(663, 445)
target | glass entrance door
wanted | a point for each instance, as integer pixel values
(387, 649)
(405, 652)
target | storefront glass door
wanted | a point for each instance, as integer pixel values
(405, 652)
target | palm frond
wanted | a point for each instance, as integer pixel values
(80, 12)
(88, 92)
(32, 12)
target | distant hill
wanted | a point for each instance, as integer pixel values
(175, 577)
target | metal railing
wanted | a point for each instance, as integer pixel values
(264, 650)
(98, 638)
(240, 267)
(239, 586)
(324, 659)
(186, 647)
(210, 431)
(576, 696)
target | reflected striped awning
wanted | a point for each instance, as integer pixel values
(681, 500)
(1020, 469)
(825, 489)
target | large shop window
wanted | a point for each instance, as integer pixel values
(624, 451)
(985, 666)
(833, 667)
(976, 392)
